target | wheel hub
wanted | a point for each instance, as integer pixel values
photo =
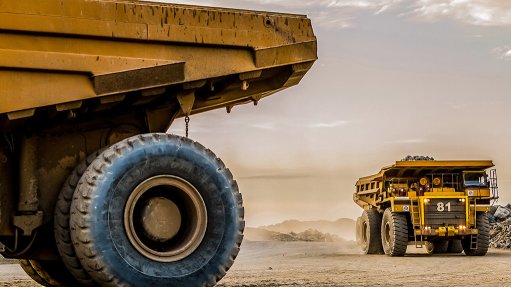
(387, 233)
(165, 218)
(161, 219)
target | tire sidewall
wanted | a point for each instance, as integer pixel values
(365, 233)
(358, 231)
(145, 161)
(387, 223)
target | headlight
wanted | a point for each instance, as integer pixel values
(426, 200)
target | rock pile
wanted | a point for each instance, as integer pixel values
(417, 157)
(310, 235)
(500, 222)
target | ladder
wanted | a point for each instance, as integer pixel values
(473, 237)
(473, 241)
(492, 179)
(415, 217)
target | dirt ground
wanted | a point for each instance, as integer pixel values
(268, 264)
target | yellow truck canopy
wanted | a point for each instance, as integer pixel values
(414, 168)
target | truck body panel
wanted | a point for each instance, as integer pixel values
(63, 54)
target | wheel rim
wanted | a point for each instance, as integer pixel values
(365, 230)
(388, 236)
(165, 218)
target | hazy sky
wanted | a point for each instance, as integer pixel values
(393, 78)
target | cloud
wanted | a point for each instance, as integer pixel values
(503, 52)
(474, 12)
(329, 125)
(340, 13)
(326, 13)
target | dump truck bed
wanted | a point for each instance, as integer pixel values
(409, 168)
(83, 57)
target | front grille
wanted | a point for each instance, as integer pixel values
(444, 212)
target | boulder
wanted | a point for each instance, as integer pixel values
(502, 213)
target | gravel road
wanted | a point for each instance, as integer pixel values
(269, 264)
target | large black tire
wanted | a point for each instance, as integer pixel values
(437, 247)
(61, 224)
(48, 273)
(152, 173)
(483, 237)
(455, 246)
(358, 231)
(394, 233)
(370, 236)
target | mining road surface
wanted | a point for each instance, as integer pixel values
(341, 264)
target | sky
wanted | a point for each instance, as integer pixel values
(394, 78)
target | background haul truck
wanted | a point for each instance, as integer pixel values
(440, 204)
(92, 190)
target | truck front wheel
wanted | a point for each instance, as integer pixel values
(394, 233)
(369, 232)
(157, 210)
(482, 241)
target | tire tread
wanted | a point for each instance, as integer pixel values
(94, 263)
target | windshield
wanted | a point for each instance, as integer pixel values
(475, 179)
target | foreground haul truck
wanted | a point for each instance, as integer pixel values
(93, 192)
(441, 205)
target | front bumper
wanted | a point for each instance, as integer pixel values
(447, 231)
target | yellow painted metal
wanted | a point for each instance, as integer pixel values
(422, 203)
(401, 207)
(443, 189)
(423, 165)
(483, 208)
(478, 192)
(55, 52)
(444, 231)
(442, 194)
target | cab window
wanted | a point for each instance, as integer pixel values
(475, 179)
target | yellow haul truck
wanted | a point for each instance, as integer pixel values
(441, 205)
(93, 192)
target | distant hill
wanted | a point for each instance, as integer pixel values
(344, 227)
(310, 235)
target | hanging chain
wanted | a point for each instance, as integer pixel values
(187, 122)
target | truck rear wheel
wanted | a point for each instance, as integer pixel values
(157, 210)
(437, 247)
(48, 273)
(455, 246)
(370, 236)
(394, 233)
(61, 224)
(358, 231)
(483, 237)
